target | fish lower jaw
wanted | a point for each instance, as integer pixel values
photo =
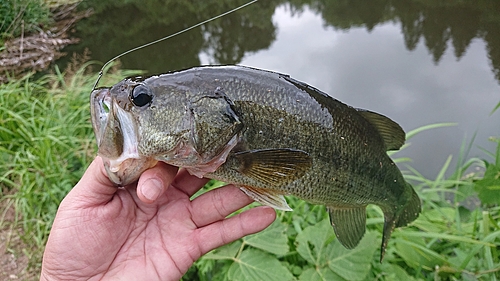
(127, 167)
(129, 170)
(115, 164)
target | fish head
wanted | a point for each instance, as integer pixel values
(138, 122)
(132, 125)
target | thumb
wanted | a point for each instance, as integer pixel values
(155, 181)
(94, 188)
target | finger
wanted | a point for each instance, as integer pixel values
(188, 183)
(217, 204)
(233, 228)
(94, 187)
(155, 181)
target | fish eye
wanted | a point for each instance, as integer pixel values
(140, 96)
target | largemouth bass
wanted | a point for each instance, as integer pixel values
(265, 132)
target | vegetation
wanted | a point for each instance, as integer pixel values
(32, 34)
(22, 16)
(46, 142)
(25, 16)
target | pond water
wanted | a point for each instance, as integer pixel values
(417, 62)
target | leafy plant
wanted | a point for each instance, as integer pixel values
(488, 188)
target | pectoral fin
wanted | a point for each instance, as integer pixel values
(266, 197)
(275, 167)
(349, 224)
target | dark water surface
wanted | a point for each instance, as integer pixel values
(417, 62)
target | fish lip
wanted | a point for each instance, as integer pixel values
(98, 99)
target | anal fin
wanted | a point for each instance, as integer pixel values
(266, 197)
(349, 224)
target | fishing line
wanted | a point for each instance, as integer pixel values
(101, 73)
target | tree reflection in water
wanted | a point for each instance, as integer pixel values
(117, 27)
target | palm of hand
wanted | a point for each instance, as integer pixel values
(104, 233)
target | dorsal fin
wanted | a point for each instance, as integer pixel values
(393, 135)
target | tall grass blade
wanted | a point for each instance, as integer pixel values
(418, 130)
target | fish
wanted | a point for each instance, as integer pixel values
(263, 131)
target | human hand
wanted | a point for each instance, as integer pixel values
(146, 231)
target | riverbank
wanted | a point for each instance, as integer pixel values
(35, 51)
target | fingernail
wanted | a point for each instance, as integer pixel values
(152, 189)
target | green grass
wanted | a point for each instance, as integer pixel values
(19, 17)
(22, 16)
(46, 141)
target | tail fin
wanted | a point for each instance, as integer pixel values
(410, 212)
(402, 217)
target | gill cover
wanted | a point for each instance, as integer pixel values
(215, 123)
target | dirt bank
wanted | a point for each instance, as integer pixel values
(35, 52)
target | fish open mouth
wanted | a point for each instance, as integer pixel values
(114, 128)
(100, 102)
(116, 134)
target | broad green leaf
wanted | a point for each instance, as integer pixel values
(272, 240)
(319, 274)
(313, 243)
(488, 188)
(317, 245)
(226, 252)
(393, 272)
(464, 192)
(354, 264)
(416, 254)
(257, 265)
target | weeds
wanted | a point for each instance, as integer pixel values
(46, 142)
(20, 16)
